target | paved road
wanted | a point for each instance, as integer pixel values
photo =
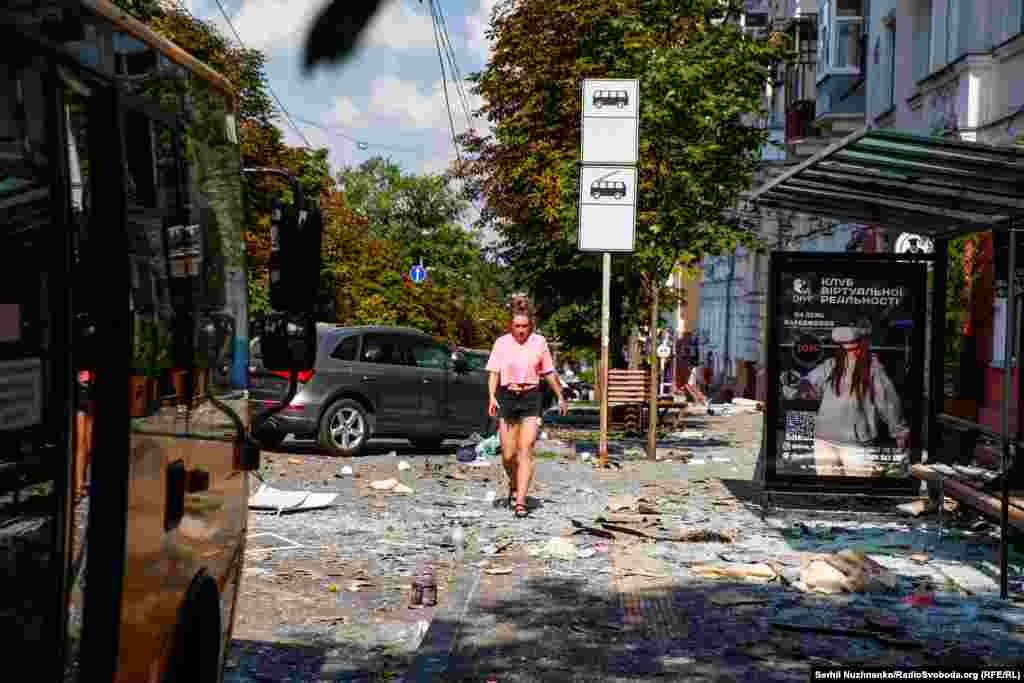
(335, 608)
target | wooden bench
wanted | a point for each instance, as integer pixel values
(963, 484)
(954, 472)
(628, 390)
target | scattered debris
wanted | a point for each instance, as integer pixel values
(295, 461)
(919, 600)
(601, 533)
(848, 571)
(345, 470)
(556, 548)
(489, 447)
(403, 465)
(269, 498)
(384, 484)
(704, 536)
(640, 565)
(498, 570)
(754, 572)
(402, 488)
(616, 503)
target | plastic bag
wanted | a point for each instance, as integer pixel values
(489, 447)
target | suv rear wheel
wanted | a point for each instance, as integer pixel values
(344, 429)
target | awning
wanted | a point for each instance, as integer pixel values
(929, 185)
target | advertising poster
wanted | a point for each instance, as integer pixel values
(848, 349)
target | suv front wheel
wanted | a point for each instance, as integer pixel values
(344, 429)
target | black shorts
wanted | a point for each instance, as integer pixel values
(517, 405)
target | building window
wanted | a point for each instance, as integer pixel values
(849, 32)
(841, 37)
(892, 60)
(824, 25)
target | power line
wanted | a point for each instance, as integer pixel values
(452, 61)
(444, 83)
(272, 93)
(361, 144)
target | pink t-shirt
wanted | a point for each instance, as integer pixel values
(520, 363)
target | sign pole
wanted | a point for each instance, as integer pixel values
(606, 295)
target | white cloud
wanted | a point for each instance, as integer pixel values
(398, 27)
(344, 112)
(476, 28)
(268, 24)
(402, 103)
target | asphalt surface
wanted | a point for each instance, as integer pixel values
(536, 599)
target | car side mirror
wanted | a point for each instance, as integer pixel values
(459, 362)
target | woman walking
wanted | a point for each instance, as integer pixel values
(519, 362)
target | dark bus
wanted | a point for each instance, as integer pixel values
(125, 446)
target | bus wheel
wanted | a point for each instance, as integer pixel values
(197, 644)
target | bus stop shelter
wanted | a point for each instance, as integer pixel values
(939, 188)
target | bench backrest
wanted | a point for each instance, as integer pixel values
(627, 386)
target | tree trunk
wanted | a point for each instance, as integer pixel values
(634, 345)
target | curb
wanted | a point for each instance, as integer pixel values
(435, 650)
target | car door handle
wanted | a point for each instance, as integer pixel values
(427, 380)
(368, 378)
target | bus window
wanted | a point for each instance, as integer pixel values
(32, 434)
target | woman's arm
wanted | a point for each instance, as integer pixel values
(492, 389)
(556, 386)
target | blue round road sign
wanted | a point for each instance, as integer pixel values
(418, 273)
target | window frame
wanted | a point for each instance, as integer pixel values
(414, 343)
(354, 338)
(828, 45)
(395, 340)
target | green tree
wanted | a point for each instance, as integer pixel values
(701, 79)
(423, 215)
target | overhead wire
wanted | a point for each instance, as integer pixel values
(444, 81)
(360, 144)
(273, 94)
(453, 62)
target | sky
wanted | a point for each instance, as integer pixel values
(388, 95)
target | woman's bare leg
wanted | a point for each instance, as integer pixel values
(527, 438)
(509, 432)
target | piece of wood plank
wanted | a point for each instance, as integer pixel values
(969, 495)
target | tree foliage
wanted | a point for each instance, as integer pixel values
(700, 82)
(374, 229)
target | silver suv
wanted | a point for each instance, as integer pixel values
(379, 381)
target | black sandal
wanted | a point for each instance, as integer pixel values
(511, 499)
(521, 511)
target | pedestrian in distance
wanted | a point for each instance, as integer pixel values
(519, 362)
